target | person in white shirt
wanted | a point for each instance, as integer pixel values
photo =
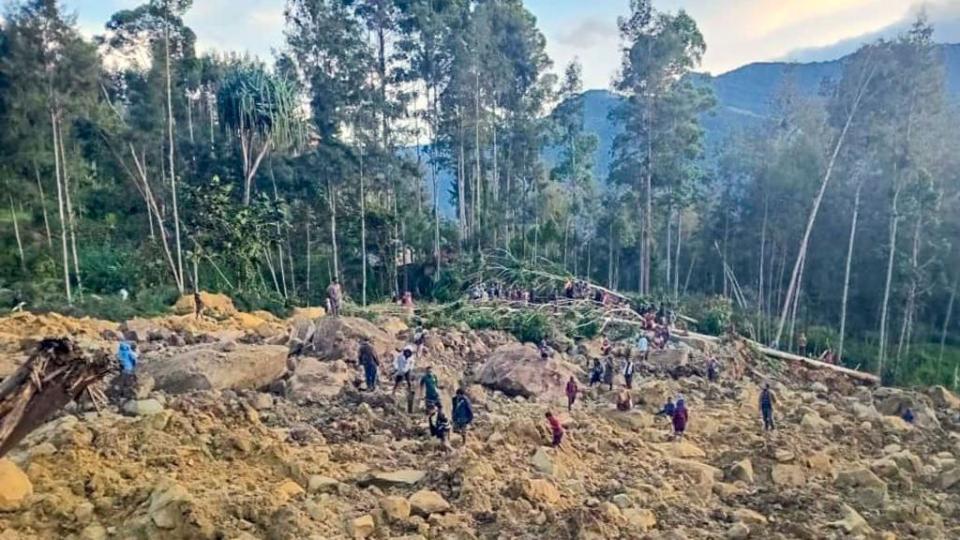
(403, 368)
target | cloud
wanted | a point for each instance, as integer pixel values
(587, 33)
(944, 16)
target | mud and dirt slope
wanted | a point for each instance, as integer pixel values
(241, 464)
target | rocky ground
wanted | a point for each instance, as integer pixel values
(220, 441)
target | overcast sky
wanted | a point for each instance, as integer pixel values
(737, 32)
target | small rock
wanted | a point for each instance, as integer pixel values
(540, 491)
(401, 478)
(363, 526)
(948, 479)
(322, 484)
(812, 422)
(783, 456)
(142, 407)
(543, 462)
(168, 503)
(943, 398)
(869, 490)
(261, 401)
(852, 522)
(738, 531)
(787, 475)
(288, 490)
(425, 502)
(750, 517)
(743, 471)
(819, 388)
(640, 518)
(395, 508)
(94, 531)
(15, 487)
(622, 500)
(83, 512)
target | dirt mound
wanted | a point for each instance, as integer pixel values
(215, 304)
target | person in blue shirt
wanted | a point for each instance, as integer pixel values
(667, 409)
(127, 358)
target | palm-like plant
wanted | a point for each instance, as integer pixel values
(263, 111)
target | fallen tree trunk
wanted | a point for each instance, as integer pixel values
(775, 353)
(56, 373)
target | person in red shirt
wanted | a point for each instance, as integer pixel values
(556, 429)
(572, 391)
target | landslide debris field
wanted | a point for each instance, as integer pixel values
(220, 441)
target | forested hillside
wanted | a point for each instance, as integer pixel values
(132, 165)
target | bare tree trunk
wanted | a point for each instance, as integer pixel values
(63, 219)
(43, 207)
(846, 271)
(946, 321)
(478, 202)
(763, 252)
(610, 258)
(16, 233)
(251, 164)
(461, 188)
(795, 275)
(436, 186)
(154, 211)
(331, 199)
(894, 222)
(676, 265)
(309, 226)
(70, 216)
(669, 251)
(363, 231)
(172, 167)
(796, 302)
(906, 327)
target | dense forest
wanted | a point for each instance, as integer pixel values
(132, 164)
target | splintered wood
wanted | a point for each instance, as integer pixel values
(56, 373)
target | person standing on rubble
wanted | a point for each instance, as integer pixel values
(462, 413)
(430, 386)
(403, 368)
(596, 372)
(628, 368)
(680, 417)
(556, 429)
(334, 297)
(572, 390)
(643, 346)
(197, 304)
(370, 363)
(608, 373)
(802, 344)
(767, 400)
(713, 369)
(439, 427)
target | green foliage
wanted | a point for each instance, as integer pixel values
(713, 314)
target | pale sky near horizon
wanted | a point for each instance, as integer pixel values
(737, 32)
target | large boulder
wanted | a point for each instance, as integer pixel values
(669, 360)
(207, 368)
(338, 338)
(517, 370)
